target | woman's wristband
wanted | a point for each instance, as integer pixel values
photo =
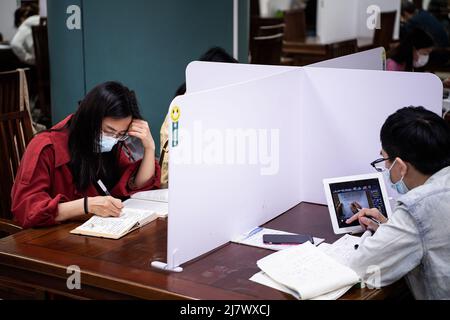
(86, 211)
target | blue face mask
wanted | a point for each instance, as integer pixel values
(400, 185)
(107, 143)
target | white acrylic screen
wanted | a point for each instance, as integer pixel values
(210, 203)
(328, 120)
(223, 74)
(373, 59)
(342, 112)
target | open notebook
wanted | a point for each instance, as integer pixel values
(156, 200)
(309, 272)
(116, 227)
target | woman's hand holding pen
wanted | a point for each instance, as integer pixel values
(105, 206)
(141, 130)
(368, 218)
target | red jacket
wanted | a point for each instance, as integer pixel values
(44, 179)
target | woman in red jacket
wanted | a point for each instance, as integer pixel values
(57, 178)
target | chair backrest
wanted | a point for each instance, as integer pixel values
(9, 91)
(343, 48)
(15, 134)
(267, 50)
(271, 30)
(40, 40)
(446, 117)
(295, 29)
(255, 23)
(418, 4)
(383, 36)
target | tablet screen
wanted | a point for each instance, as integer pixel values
(350, 196)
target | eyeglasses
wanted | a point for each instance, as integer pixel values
(378, 164)
(119, 137)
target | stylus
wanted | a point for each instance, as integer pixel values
(373, 219)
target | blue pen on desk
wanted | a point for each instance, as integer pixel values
(253, 232)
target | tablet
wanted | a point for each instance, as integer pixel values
(346, 195)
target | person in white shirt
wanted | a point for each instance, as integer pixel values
(22, 43)
(414, 241)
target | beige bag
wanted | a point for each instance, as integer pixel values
(25, 101)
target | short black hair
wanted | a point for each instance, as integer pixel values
(418, 136)
(408, 7)
(217, 54)
(214, 54)
(24, 12)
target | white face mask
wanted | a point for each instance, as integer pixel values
(421, 61)
(107, 143)
(400, 185)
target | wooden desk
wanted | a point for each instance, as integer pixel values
(33, 263)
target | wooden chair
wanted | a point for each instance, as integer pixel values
(15, 134)
(383, 36)
(9, 91)
(295, 25)
(418, 4)
(342, 48)
(271, 30)
(267, 50)
(40, 40)
(446, 117)
(256, 23)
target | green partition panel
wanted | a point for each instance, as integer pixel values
(144, 44)
(66, 60)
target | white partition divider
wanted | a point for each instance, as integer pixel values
(242, 154)
(232, 73)
(223, 74)
(342, 114)
(374, 59)
(236, 150)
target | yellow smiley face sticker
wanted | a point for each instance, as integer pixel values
(175, 113)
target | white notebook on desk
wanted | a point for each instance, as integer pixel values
(115, 227)
(256, 239)
(159, 195)
(161, 208)
(306, 272)
(156, 200)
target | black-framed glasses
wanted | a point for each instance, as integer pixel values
(378, 164)
(119, 137)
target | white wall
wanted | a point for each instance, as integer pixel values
(7, 8)
(347, 19)
(43, 8)
(269, 8)
(385, 6)
(336, 20)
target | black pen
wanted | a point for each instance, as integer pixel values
(100, 183)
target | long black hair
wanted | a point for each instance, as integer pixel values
(416, 39)
(109, 99)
